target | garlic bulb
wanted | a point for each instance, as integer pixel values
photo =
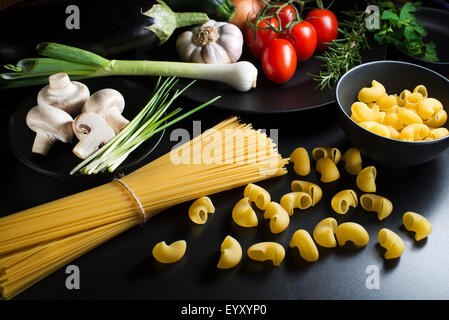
(213, 42)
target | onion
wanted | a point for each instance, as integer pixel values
(246, 9)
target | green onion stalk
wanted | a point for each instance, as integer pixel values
(150, 120)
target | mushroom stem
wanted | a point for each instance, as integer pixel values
(42, 143)
(116, 120)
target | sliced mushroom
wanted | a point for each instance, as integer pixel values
(50, 124)
(92, 131)
(108, 103)
(63, 94)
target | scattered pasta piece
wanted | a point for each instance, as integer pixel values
(353, 161)
(343, 200)
(243, 214)
(372, 94)
(376, 203)
(328, 169)
(392, 242)
(279, 218)
(308, 187)
(324, 233)
(231, 253)
(301, 161)
(258, 195)
(302, 240)
(169, 253)
(199, 209)
(267, 251)
(417, 223)
(366, 179)
(326, 152)
(295, 200)
(351, 231)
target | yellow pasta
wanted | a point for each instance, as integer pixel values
(258, 195)
(392, 119)
(263, 251)
(408, 116)
(353, 161)
(231, 253)
(394, 134)
(421, 89)
(387, 102)
(363, 113)
(302, 240)
(351, 231)
(438, 133)
(428, 106)
(438, 119)
(301, 161)
(328, 169)
(403, 97)
(324, 233)
(343, 200)
(295, 200)
(415, 132)
(169, 253)
(366, 179)
(279, 218)
(376, 128)
(372, 94)
(243, 214)
(392, 242)
(376, 203)
(200, 208)
(312, 189)
(418, 224)
(412, 101)
(326, 152)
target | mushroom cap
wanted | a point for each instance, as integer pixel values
(63, 94)
(104, 101)
(51, 121)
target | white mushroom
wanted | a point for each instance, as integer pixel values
(92, 131)
(64, 94)
(108, 103)
(50, 124)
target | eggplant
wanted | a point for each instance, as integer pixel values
(106, 27)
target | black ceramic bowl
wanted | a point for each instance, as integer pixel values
(395, 76)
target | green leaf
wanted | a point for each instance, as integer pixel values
(389, 16)
(406, 11)
(420, 29)
(409, 33)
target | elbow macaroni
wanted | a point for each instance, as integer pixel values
(392, 242)
(169, 253)
(324, 233)
(302, 240)
(312, 189)
(267, 251)
(328, 169)
(343, 200)
(243, 214)
(351, 231)
(326, 152)
(353, 161)
(379, 204)
(231, 253)
(417, 223)
(411, 116)
(199, 209)
(301, 161)
(296, 200)
(366, 179)
(258, 195)
(279, 218)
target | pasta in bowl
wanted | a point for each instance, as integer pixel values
(395, 112)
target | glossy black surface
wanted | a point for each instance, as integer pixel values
(395, 76)
(436, 22)
(123, 268)
(60, 160)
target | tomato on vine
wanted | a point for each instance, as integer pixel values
(304, 38)
(279, 61)
(325, 23)
(262, 35)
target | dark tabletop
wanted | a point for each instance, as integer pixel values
(123, 268)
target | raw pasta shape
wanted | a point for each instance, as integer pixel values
(200, 208)
(351, 231)
(258, 195)
(417, 223)
(326, 152)
(415, 132)
(366, 179)
(263, 251)
(243, 214)
(310, 188)
(302, 240)
(279, 218)
(353, 161)
(376, 203)
(372, 94)
(169, 253)
(324, 233)
(343, 200)
(392, 242)
(295, 200)
(301, 161)
(231, 253)
(328, 169)
(427, 107)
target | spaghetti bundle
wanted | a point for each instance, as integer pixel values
(37, 241)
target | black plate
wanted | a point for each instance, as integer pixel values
(60, 160)
(436, 22)
(297, 94)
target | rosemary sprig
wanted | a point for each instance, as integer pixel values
(344, 52)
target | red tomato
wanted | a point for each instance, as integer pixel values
(263, 37)
(304, 40)
(279, 61)
(286, 14)
(325, 24)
